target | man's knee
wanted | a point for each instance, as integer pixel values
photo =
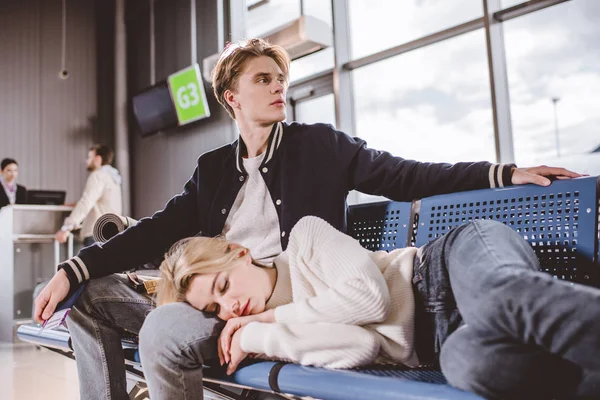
(497, 230)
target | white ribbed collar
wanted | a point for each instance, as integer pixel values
(272, 146)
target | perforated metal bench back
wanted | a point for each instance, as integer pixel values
(380, 226)
(560, 222)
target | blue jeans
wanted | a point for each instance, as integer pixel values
(501, 328)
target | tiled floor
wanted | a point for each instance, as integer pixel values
(31, 373)
(27, 372)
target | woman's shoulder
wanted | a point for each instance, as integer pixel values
(309, 228)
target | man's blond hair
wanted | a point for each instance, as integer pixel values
(233, 59)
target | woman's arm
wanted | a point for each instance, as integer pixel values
(323, 344)
(352, 289)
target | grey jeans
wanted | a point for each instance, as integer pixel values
(526, 334)
(175, 342)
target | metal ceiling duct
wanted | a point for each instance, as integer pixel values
(300, 37)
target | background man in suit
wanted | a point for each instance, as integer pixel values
(11, 193)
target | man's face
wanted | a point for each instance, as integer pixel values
(93, 162)
(10, 172)
(260, 94)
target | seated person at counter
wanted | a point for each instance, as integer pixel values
(329, 302)
(12, 192)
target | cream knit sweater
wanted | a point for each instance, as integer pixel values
(337, 305)
(102, 195)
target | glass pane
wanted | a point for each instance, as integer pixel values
(510, 3)
(320, 9)
(312, 64)
(270, 15)
(320, 109)
(376, 25)
(555, 54)
(429, 104)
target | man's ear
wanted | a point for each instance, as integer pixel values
(231, 99)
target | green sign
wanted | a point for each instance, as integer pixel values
(187, 92)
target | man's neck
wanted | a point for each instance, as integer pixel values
(255, 137)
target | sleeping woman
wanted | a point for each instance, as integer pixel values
(472, 302)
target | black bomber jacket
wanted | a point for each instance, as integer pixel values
(308, 169)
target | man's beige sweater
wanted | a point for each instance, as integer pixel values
(102, 194)
(337, 305)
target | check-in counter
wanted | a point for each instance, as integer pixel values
(28, 255)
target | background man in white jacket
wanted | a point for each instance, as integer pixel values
(102, 194)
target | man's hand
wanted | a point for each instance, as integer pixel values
(237, 354)
(233, 326)
(53, 293)
(539, 175)
(62, 236)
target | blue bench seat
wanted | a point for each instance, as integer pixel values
(560, 222)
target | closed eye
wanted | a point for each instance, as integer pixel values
(225, 286)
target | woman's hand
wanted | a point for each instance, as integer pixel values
(233, 326)
(237, 355)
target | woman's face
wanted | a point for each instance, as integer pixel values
(241, 291)
(10, 172)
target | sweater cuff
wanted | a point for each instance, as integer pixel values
(287, 314)
(500, 175)
(76, 270)
(253, 336)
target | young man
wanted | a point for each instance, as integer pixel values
(277, 171)
(102, 194)
(12, 193)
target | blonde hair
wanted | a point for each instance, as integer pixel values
(188, 258)
(232, 60)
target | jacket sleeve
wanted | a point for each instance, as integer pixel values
(322, 345)
(92, 192)
(380, 173)
(142, 243)
(352, 289)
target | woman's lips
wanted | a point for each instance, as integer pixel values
(246, 309)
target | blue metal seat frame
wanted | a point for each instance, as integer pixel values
(560, 222)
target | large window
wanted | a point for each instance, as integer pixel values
(319, 109)
(431, 104)
(379, 24)
(553, 60)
